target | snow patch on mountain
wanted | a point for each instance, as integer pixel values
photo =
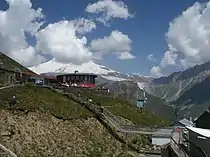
(141, 85)
(113, 78)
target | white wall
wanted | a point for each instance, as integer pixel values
(160, 141)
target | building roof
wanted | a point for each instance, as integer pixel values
(163, 133)
(203, 132)
(40, 76)
(88, 74)
(186, 122)
(203, 114)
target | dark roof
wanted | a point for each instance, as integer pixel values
(87, 74)
(203, 114)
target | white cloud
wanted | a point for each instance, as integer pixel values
(126, 55)
(17, 20)
(109, 9)
(61, 42)
(65, 41)
(168, 59)
(83, 26)
(117, 43)
(156, 71)
(188, 38)
(151, 58)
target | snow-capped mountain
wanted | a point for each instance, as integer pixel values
(53, 67)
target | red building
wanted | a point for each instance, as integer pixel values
(77, 79)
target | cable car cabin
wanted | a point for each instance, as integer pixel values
(77, 80)
(140, 103)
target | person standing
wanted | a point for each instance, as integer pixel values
(13, 101)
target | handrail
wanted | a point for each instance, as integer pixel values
(9, 152)
(185, 154)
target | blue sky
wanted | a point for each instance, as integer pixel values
(146, 29)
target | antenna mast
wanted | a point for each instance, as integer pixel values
(137, 96)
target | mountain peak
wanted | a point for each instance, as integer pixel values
(54, 66)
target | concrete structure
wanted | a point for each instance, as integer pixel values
(199, 141)
(77, 79)
(162, 137)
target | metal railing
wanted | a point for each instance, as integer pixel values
(177, 148)
(7, 151)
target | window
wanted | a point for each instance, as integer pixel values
(77, 78)
(64, 78)
(82, 77)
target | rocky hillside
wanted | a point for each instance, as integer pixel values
(40, 134)
(176, 84)
(197, 99)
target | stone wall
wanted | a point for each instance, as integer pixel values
(6, 77)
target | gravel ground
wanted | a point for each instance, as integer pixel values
(39, 134)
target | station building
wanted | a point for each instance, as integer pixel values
(77, 79)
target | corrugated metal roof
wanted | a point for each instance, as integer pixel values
(203, 132)
(186, 122)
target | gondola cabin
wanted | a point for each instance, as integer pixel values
(140, 103)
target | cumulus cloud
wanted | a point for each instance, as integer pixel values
(188, 38)
(61, 42)
(108, 9)
(83, 26)
(156, 71)
(151, 58)
(15, 22)
(116, 43)
(64, 41)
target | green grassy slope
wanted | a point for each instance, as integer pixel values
(123, 108)
(33, 98)
(8, 63)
